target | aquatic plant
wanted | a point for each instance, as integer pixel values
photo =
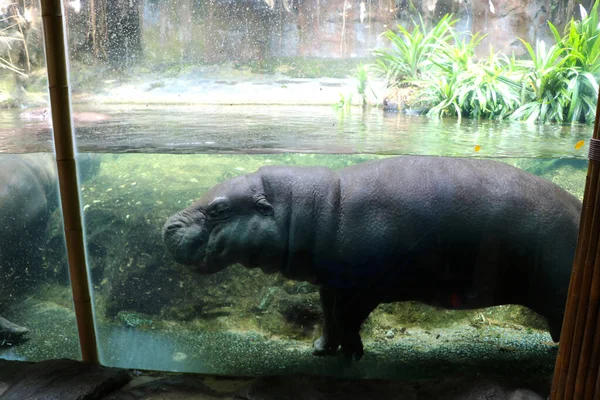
(411, 54)
(133, 319)
(363, 78)
(344, 103)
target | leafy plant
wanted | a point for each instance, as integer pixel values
(484, 94)
(470, 88)
(411, 52)
(581, 43)
(363, 78)
(457, 56)
(344, 103)
(442, 91)
(561, 82)
(545, 84)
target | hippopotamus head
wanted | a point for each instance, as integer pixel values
(233, 222)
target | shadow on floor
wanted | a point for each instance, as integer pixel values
(68, 379)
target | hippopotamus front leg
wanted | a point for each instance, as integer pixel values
(11, 333)
(329, 342)
(344, 312)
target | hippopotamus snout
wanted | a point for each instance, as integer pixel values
(185, 237)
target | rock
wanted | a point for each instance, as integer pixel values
(301, 309)
(512, 19)
(177, 388)
(43, 114)
(266, 298)
(64, 379)
(294, 287)
(499, 20)
(415, 111)
(390, 103)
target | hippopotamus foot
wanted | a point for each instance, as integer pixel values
(11, 333)
(344, 312)
(352, 346)
(324, 347)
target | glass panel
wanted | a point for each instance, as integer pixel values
(176, 97)
(37, 320)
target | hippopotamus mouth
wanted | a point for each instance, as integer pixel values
(187, 241)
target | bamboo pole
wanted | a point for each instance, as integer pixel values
(584, 300)
(577, 320)
(577, 376)
(588, 360)
(566, 337)
(60, 102)
(592, 373)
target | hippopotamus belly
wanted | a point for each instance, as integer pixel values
(446, 231)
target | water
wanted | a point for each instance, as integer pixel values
(277, 129)
(153, 314)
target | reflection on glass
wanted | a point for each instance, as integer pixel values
(36, 296)
(37, 321)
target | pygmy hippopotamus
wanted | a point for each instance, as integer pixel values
(28, 197)
(456, 233)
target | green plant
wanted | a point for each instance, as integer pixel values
(411, 52)
(545, 84)
(344, 103)
(483, 93)
(363, 77)
(457, 55)
(443, 93)
(561, 82)
(474, 87)
(464, 87)
(581, 43)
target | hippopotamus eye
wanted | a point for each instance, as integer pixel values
(218, 210)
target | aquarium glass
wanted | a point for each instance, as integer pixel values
(37, 319)
(173, 97)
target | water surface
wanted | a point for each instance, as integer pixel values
(303, 129)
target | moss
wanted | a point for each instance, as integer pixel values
(300, 67)
(567, 173)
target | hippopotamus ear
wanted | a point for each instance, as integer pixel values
(263, 206)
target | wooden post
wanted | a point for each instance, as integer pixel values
(60, 102)
(576, 369)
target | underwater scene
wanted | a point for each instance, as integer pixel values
(264, 318)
